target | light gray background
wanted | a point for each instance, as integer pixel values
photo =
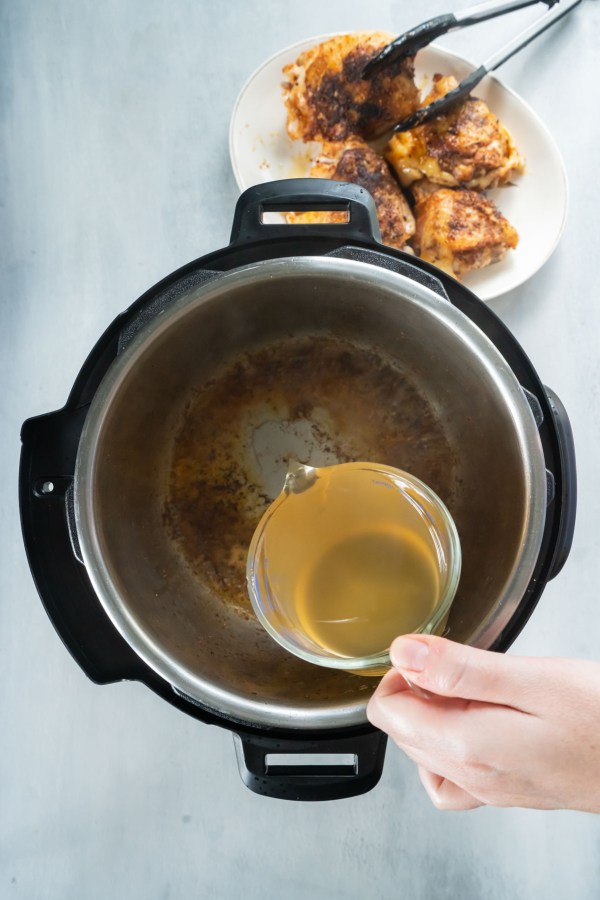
(115, 171)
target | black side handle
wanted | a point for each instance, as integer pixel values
(305, 195)
(566, 485)
(48, 454)
(332, 781)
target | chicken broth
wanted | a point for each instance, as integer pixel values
(365, 590)
(351, 561)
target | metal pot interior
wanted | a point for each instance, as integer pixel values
(188, 438)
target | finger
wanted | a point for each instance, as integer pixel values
(445, 794)
(393, 682)
(455, 670)
(427, 726)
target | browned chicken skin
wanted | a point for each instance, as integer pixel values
(327, 100)
(357, 163)
(460, 230)
(465, 147)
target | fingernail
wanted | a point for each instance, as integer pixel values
(406, 653)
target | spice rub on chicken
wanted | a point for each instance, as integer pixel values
(464, 147)
(328, 100)
(357, 163)
(460, 230)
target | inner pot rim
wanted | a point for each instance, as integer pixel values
(230, 702)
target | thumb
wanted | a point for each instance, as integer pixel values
(456, 670)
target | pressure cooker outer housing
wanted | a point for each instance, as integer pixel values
(51, 444)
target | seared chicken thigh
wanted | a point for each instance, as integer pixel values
(355, 162)
(460, 230)
(465, 147)
(328, 100)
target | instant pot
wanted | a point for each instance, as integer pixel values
(139, 497)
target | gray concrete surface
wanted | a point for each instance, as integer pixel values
(115, 171)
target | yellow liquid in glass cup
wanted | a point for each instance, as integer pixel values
(347, 558)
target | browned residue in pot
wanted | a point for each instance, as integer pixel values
(320, 399)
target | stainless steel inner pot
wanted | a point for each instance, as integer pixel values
(173, 613)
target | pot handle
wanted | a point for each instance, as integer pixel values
(357, 774)
(305, 195)
(48, 453)
(566, 487)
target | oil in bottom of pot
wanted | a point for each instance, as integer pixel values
(368, 588)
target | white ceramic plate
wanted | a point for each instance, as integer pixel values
(260, 150)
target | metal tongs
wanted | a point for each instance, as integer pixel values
(417, 38)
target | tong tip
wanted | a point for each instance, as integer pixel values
(409, 43)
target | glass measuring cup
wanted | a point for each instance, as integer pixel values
(348, 557)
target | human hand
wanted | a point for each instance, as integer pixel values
(497, 730)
